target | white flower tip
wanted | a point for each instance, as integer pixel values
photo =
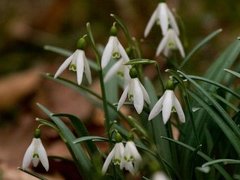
(167, 70)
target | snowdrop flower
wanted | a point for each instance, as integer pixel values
(159, 176)
(113, 49)
(169, 42)
(165, 104)
(35, 153)
(114, 156)
(79, 63)
(118, 68)
(131, 158)
(163, 15)
(136, 93)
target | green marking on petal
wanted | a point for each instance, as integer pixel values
(116, 55)
(73, 67)
(35, 155)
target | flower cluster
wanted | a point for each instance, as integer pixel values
(170, 30)
(127, 157)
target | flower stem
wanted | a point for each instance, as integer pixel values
(100, 71)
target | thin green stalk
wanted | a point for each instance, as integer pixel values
(100, 71)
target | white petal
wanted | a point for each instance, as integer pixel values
(64, 65)
(159, 176)
(129, 166)
(145, 94)
(133, 150)
(138, 100)
(87, 69)
(28, 155)
(151, 22)
(163, 17)
(107, 161)
(157, 108)
(172, 21)
(163, 43)
(122, 52)
(179, 110)
(167, 105)
(35, 161)
(119, 150)
(80, 66)
(107, 53)
(179, 44)
(43, 155)
(123, 97)
(113, 70)
(166, 52)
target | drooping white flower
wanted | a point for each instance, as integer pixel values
(115, 50)
(164, 17)
(35, 153)
(114, 156)
(118, 68)
(136, 93)
(170, 42)
(165, 104)
(131, 158)
(79, 63)
(159, 176)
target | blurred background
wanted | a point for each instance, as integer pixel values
(27, 26)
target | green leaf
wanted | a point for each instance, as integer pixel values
(225, 60)
(223, 113)
(140, 61)
(233, 72)
(219, 121)
(201, 154)
(224, 161)
(58, 50)
(81, 130)
(215, 84)
(90, 138)
(34, 174)
(80, 158)
(200, 45)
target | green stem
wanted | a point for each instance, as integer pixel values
(100, 71)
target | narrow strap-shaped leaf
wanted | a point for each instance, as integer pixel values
(223, 113)
(233, 72)
(90, 138)
(34, 174)
(220, 169)
(81, 159)
(215, 84)
(81, 130)
(200, 45)
(224, 161)
(225, 60)
(232, 137)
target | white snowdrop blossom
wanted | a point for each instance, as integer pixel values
(136, 93)
(35, 153)
(164, 17)
(131, 158)
(169, 42)
(79, 63)
(165, 104)
(118, 68)
(114, 156)
(114, 50)
(159, 176)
